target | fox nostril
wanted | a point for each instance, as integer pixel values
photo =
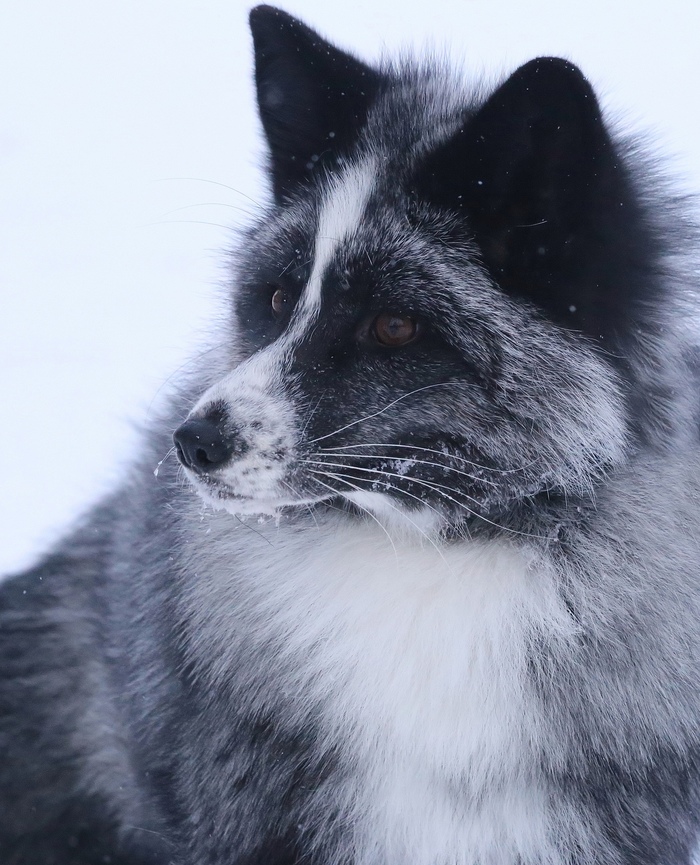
(202, 446)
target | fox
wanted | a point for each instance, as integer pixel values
(419, 581)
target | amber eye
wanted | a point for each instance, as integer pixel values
(394, 330)
(279, 302)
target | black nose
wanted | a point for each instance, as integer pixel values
(201, 445)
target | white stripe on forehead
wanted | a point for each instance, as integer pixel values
(258, 383)
(262, 374)
(342, 209)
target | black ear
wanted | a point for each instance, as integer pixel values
(313, 98)
(532, 170)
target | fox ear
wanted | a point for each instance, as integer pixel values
(312, 97)
(529, 170)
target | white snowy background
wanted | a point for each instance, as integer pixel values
(129, 149)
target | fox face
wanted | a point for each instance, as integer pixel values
(424, 315)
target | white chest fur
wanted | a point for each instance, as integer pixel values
(414, 657)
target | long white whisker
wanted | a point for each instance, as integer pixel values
(440, 490)
(312, 413)
(214, 183)
(403, 492)
(307, 505)
(386, 408)
(427, 450)
(420, 531)
(247, 210)
(411, 479)
(422, 462)
(189, 362)
(369, 513)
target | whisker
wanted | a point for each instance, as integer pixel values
(403, 516)
(255, 531)
(308, 506)
(420, 481)
(186, 222)
(310, 509)
(160, 835)
(417, 462)
(369, 513)
(214, 183)
(311, 414)
(286, 267)
(427, 450)
(189, 362)
(440, 490)
(246, 210)
(386, 408)
(403, 492)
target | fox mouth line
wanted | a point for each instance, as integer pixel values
(222, 494)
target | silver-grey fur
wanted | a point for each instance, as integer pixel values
(444, 609)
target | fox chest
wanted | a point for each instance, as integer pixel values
(411, 662)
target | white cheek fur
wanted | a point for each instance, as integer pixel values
(265, 420)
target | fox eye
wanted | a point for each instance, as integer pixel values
(394, 330)
(279, 302)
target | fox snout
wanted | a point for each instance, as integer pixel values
(206, 444)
